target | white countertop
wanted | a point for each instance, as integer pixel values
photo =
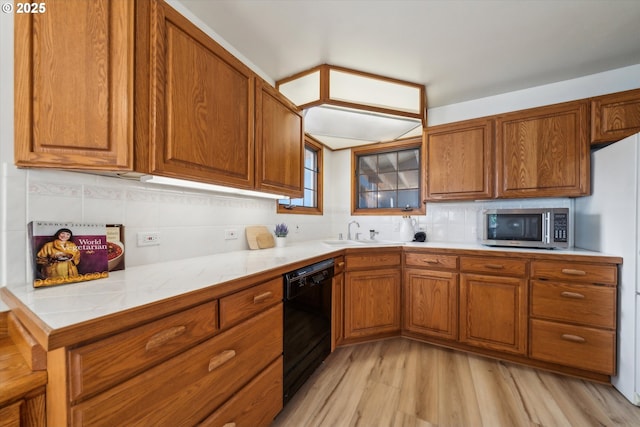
(66, 305)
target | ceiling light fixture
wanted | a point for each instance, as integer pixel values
(161, 180)
(344, 107)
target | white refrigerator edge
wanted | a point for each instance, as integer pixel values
(608, 221)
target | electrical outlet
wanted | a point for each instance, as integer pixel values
(230, 234)
(148, 238)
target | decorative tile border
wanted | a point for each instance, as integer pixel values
(54, 189)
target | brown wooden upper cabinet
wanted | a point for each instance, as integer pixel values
(615, 116)
(200, 124)
(543, 152)
(198, 113)
(73, 86)
(279, 151)
(460, 160)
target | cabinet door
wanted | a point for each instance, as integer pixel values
(279, 143)
(460, 161)
(74, 86)
(615, 117)
(431, 303)
(337, 317)
(372, 302)
(493, 312)
(202, 104)
(543, 152)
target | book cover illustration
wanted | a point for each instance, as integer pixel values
(115, 246)
(68, 252)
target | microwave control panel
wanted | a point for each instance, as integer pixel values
(560, 225)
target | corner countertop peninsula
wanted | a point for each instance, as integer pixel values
(62, 315)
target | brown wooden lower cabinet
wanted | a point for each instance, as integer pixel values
(256, 405)
(431, 303)
(372, 302)
(555, 312)
(337, 304)
(372, 293)
(581, 347)
(493, 312)
(179, 369)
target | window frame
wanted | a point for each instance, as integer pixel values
(318, 148)
(381, 148)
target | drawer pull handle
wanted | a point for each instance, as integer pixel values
(573, 338)
(221, 359)
(573, 272)
(262, 297)
(432, 261)
(229, 425)
(494, 266)
(163, 336)
(341, 264)
(574, 295)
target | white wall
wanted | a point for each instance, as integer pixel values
(192, 223)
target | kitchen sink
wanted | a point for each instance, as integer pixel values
(337, 242)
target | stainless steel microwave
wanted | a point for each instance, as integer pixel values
(527, 228)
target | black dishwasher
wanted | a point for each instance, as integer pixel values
(307, 323)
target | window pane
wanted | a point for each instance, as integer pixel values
(310, 159)
(409, 198)
(409, 159)
(368, 164)
(387, 162)
(388, 181)
(387, 199)
(368, 200)
(365, 184)
(309, 198)
(309, 179)
(408, 179)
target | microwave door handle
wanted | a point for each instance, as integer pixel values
(546, 227)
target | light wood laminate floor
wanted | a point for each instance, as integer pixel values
(399, 382)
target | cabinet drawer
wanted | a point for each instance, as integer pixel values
(244, 304)
(417, 259)
(586, 304)
(256, 405)
(187, 388)
(96, 366)
(499, 266)
(373, 260)
(579, 272)
(578, 346)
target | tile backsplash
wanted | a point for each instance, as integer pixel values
(191, 223)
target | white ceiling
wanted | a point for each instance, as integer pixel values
(459, 49)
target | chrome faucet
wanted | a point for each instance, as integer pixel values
(349, 228)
